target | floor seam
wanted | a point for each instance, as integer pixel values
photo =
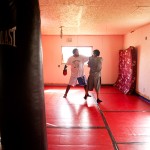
(132, 142)
(107, 127)
(76, 127)
(122, 111)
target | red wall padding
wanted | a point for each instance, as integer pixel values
(126, 81)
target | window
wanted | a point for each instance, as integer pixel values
(67, 52)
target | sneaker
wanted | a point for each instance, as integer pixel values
(64, 96)
(88, 95)
(85, 97)
(99, 101)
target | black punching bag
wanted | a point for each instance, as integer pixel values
(22, 109)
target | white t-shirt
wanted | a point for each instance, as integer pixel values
(77, 65)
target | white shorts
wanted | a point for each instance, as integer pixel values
(74, 80)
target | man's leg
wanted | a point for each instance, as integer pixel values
(72, 82)
(97, 91)
(85, 87)
(67, 90)
(86, 92)
(98, 100)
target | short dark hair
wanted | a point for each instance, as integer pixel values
(96, 52)
(74, 50)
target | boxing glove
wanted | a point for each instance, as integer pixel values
(65, 72)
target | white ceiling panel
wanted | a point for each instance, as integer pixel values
(93, 17)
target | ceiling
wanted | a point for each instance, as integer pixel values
(93, 17)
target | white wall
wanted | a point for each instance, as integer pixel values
(52, 56)
(140, 39)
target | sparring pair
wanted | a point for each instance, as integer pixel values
(77, 72)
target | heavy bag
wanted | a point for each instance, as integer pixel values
(22, 108)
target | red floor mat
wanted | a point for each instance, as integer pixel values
(119, 122)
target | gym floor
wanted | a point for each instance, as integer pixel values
(120, 122)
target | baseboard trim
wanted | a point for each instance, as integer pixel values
(143, 97)
(107, 84)
(52, 84)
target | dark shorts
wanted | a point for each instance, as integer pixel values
(94, 83)
(82, 80)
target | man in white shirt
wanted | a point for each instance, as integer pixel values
(77, 69)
